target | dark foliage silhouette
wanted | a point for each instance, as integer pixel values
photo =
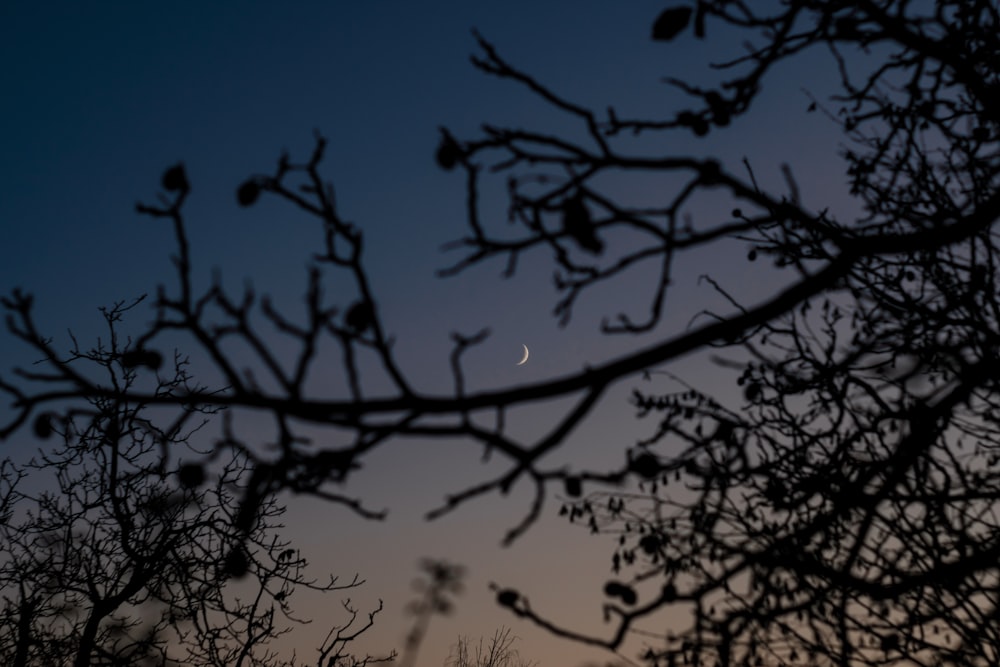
(110, 554)
(844, 512)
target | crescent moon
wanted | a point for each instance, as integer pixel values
(525, 358)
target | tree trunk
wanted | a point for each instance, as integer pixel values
(26, 613)
(87, 639)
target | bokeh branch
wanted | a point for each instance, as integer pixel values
(843, 511)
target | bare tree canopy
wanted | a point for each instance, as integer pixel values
(844, 511)
(497, 651)
(116, 552)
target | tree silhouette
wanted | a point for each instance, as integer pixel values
(497, 651)
(844, 511)
(112, 555)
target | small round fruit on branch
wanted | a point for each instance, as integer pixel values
(508, 597)
(359, 317)
(175, 179)
(248, 192)
(615, 589)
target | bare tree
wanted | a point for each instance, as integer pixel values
(112, 554)
(845, 511)
(497, 651)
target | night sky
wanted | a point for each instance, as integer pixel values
(98, 100)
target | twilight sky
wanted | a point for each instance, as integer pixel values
(99, 99)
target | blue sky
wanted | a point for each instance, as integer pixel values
(98, 99)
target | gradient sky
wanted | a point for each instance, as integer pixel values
(98, 98)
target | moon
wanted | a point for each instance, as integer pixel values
(525, 358)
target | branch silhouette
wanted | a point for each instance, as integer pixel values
(844, 510)
(112, 552)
